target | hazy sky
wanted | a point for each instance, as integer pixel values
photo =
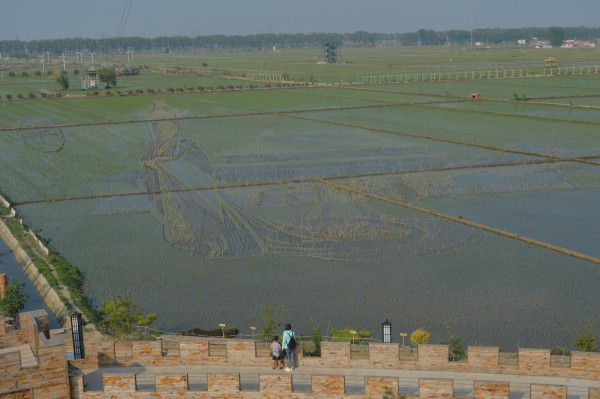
(50, 19)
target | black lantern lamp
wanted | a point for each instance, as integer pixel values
(77, 332)
(386, 331)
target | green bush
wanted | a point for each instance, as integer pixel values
(559, 351)
(12, 74)
(344, 335)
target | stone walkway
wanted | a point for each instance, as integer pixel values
(354, 377)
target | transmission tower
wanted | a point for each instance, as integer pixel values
(331, 56)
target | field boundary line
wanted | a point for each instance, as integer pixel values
(292, 181)
(449, 141)
(445, 216)
(236, 115)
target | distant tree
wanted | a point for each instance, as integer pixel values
(63, 81)
(108, 76)
(585, 337)
(456, 351)
(556, 35)
(419, 336)
(122, 318)
(14, 298)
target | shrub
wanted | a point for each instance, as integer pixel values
(317, 338)
(456, 351)
(11, 74)
(20, 96)
(107, 93)
(59, 94)
(229, 332)
(419, 336)
(170, 89)
(151, 91)
(24, 74)
(200, 88)
(14, 299)
(585, 337)
(345, 335)
(9, 96)
(75, 71)
(270, 321)
(96, 93)
(190, 89)
(129, 91)
(38, 73)
(179, 89)
(559, 351)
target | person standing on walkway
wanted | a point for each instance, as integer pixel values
(289, 345)
(276, 353)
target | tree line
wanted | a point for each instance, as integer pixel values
(266, 41)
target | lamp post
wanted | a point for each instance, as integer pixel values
(402, 334)
(386, 331)
(253, 329)
(77, 332)
(222, 325)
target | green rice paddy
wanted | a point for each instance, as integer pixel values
(206, 204)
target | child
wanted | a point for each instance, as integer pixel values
(276, 353)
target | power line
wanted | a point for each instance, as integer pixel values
(124, 17)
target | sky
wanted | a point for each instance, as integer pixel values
(53, 19)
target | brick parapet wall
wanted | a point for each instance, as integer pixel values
(532, 362)
(46, 376)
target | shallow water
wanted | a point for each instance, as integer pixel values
(10, 266)
(568, 219)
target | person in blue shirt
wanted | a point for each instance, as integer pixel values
(289, 352)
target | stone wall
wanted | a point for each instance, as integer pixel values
(237, 352)
(335, 356)
(43, 376)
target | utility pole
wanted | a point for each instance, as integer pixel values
(473, 19)
(93, 54)
(64, 65)
(43, 63)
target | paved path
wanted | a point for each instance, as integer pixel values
(301, 378)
